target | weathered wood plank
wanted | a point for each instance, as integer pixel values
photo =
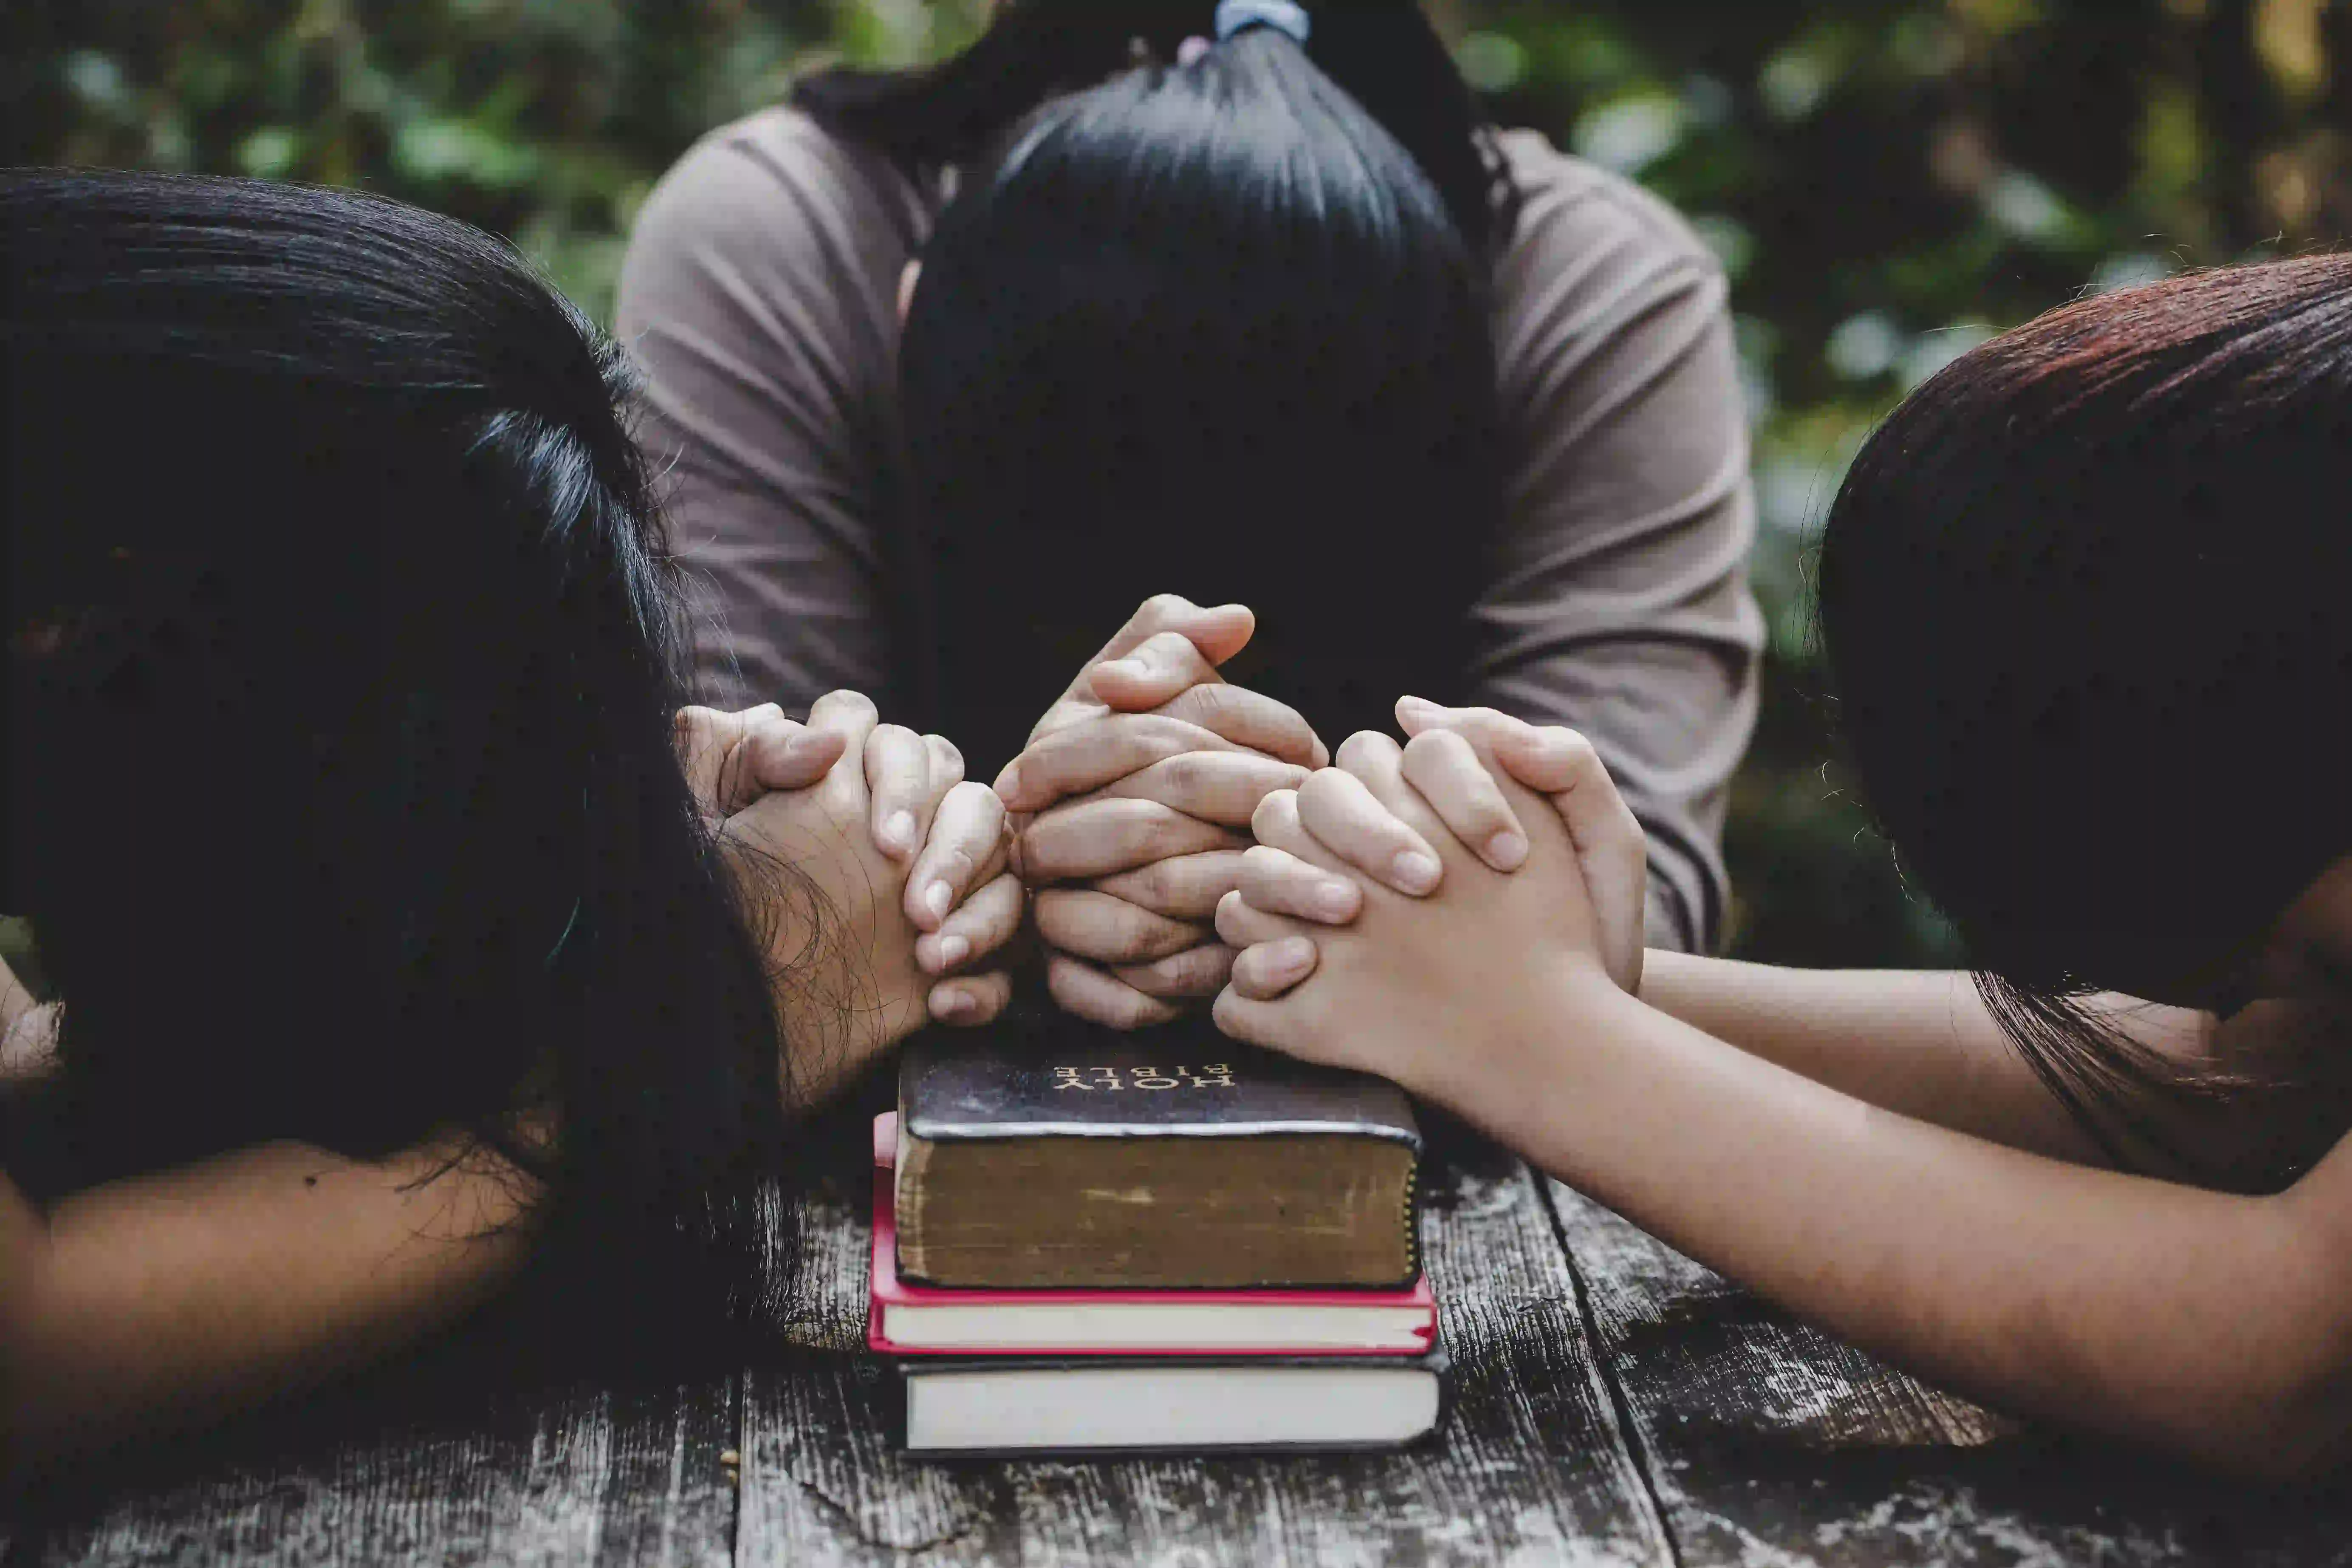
(581, 1477)
(1772, 1445)
(1529, 1469)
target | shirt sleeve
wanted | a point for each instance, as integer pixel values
(1619, 602)
(759, 297)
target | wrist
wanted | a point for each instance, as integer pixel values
(1528, 1039)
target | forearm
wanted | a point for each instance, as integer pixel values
(2152, 1311)
(24, 1261)
(1924, 1045)
(171, 1300)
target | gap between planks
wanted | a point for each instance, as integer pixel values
(1532, 1469)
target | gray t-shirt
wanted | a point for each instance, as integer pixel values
(760, 296)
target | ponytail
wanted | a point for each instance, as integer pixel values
(1383, 53)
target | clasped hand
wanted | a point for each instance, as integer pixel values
(879, 876)
(1484, 861)
(1133, 805)
(1182, 838)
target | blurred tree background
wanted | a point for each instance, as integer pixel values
(1888, 181)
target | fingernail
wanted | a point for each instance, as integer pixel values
(900, 830)
(953, 950)
(1292, 955)
(938, 899)
(952, 1004)
(1506, 850)
(1008, 784)
(1132, 669)
(1416, 872)
(1334, 900)
(1417, 704)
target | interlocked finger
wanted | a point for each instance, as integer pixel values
(1154, 671)
(1243, 925)
(1340, 811)
(898, 777)
(1102, 838)
(976, 930)
(1106, 930)
(732, 759)
(1250, 719)
(1453, 780)
(970, 1000)
(1083, 989)
(1223, 787)
(1278, 883)
(1182, 888)
(1276, 954)
(1196, 974)
(851, 716)
(969, 844)
(1084, 757)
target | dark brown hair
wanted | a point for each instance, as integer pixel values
(2084, 597)
(1382, 53)
(344, 652)
(1207, 329)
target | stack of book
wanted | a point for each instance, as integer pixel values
(1083, 1243)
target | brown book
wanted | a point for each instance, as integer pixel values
(1047, 1153)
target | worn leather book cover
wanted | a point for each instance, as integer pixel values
(1050, 1153)
(915, 1320)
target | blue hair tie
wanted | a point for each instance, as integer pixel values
(1283, 15)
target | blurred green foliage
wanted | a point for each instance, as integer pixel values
(1888, 181)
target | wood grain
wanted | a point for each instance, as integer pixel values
(580, 1477)
(1529, 1469)
(1769, 1445)
(1615, 1404)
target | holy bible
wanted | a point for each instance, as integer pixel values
(1050, 1154)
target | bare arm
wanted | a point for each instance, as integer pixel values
(2212, 1324)
(1921, 1044)
(1927, 1045)
(173, 1300)
(2209, 1323)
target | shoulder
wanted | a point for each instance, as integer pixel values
(1591, 244)
(1571, 207)
(749, 169)
(1598, 281)
(776, 202)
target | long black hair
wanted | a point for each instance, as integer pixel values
(1383, 53)
(2084, 599)
(343, 661)
(1206, 329)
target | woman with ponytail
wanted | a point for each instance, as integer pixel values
(1250, 296)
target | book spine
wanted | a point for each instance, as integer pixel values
(1413, 1220)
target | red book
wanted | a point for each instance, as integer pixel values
(918, 1320)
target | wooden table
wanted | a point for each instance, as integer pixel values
(1616, 1404)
